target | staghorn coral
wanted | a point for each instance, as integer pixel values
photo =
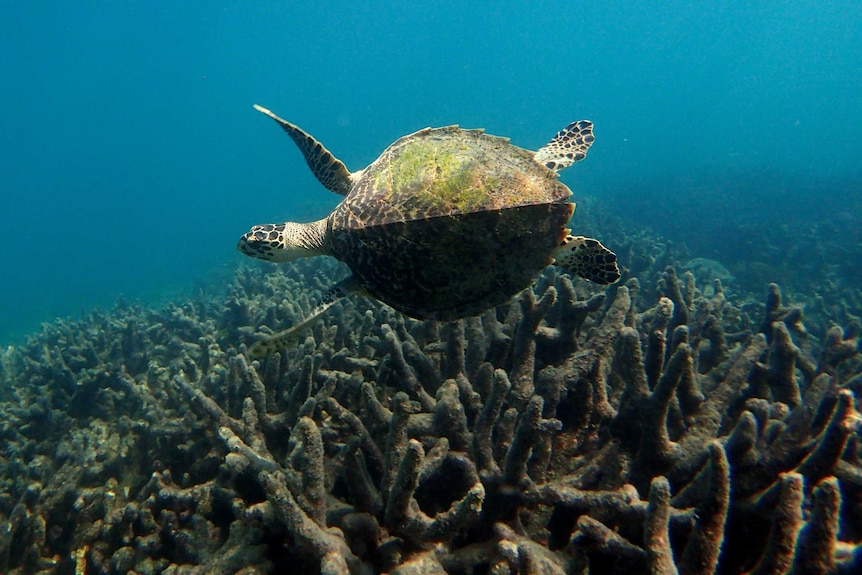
(654, 428)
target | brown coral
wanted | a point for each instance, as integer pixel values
(566, 431)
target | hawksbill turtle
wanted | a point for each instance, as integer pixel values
(445, 224)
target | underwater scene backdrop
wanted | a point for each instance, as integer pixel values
(700, 416)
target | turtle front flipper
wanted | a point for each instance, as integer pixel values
(329, 170)
(570, 145)
(292, 335)
(587, 258)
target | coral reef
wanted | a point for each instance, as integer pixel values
(658, 427)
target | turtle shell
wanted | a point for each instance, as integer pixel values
(448, 223)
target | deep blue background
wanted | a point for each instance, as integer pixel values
(131, 158)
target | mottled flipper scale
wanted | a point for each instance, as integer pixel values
(570, 145)
(587, 258)
(329, 170)
(292, 335)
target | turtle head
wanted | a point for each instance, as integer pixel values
(284, 242)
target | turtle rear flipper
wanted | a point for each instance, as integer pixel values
(587, 258)
(329, 170)
(570, 145)
(292, 335)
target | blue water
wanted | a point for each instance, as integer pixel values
(131, 158)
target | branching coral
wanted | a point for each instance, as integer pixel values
(650, 429)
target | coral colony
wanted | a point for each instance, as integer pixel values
(660, 426)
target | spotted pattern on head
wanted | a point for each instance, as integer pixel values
(262, 241)
(284, 242)
(570, 145)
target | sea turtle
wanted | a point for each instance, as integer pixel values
(445, 224)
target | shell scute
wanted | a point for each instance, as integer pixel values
(448, 222)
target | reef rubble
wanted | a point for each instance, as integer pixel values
(660, 426)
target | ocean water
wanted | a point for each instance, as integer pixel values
(131, 159)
